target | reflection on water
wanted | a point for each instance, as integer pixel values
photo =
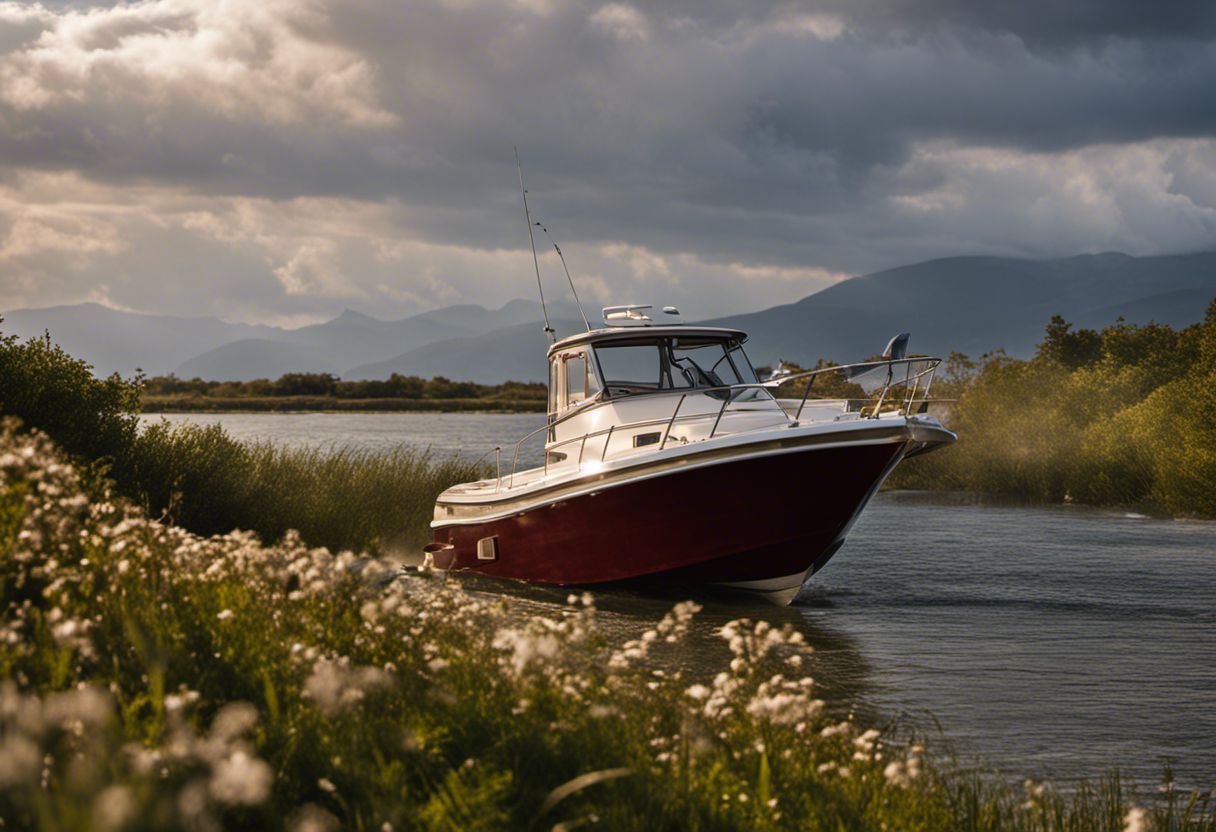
(1055, 642)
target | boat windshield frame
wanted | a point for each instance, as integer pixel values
(667, 344)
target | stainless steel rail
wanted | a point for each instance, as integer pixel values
(909, 379)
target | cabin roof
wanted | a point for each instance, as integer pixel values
(642, 333)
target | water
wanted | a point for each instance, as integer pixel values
(1051, 642)
(467, 434)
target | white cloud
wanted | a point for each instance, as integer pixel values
(233, 60)
(1106, 197)
(621, 20)
(280, 159)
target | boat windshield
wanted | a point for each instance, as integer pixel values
(652, 364)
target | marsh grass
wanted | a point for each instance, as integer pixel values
(208, 482)
(155, 679)
(339, 497)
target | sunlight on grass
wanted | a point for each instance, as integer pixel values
(158, 679)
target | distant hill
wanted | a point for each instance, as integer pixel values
(115, 341)
(515, 353)
(350, 339)
(977, 304)
(965, 304)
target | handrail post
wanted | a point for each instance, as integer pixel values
(497, 468)
(810, 381)
(582, 447)
(729, 395)
(607, 439)
(885, 388)
(672, 421)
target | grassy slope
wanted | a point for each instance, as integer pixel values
(158, 680)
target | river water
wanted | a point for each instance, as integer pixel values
(1053, 642)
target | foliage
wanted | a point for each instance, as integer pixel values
(1117, 417)
(211, 483)
(160, 680)
(341, 497)
(395, 386)
(47, 388)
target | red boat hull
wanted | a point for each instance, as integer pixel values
(741, 520)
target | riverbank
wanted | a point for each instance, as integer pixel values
(307, 404)
(338, 692)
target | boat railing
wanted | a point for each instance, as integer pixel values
(913, 375)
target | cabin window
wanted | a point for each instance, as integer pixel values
(683, 363)
(704, 364)
(576, 382)
(742, 365)
(630, 368)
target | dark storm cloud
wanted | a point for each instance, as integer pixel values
(835, 134)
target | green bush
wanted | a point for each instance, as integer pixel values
(154, 679)
(46, 388)
(210, 483)
(1117, 417)
(343, 498)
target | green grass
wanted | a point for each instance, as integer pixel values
(154, 679)
(342, 498)
(202, 479)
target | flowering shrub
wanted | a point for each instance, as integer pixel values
(1117, 417)
(157, 679)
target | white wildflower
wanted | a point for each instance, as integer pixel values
(113, 807)
(241, 780)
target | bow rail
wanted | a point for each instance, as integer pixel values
(914, 375)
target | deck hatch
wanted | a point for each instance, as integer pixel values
(487, 548)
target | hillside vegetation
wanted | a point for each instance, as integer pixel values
(154, 679)
(324, 391)
(1121, 416)
(201, 478)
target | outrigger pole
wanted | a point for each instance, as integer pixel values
(570, 280)
(531, 239)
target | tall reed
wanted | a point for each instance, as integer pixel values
(154, 679)
(208, 482)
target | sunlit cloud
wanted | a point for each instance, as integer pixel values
(282, 159)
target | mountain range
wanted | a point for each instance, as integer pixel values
(965, 304)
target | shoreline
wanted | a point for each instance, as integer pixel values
(330, 404)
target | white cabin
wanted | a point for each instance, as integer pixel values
(623, 390)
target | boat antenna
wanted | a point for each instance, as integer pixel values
(573, 291)
(531, 239)
(569, 279)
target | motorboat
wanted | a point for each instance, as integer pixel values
(669, 462)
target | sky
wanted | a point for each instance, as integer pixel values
(279, 161)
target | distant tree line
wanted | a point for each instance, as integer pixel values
(395, 386)
(1121, 415)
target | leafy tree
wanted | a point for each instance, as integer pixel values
(1070, 349)
(305, 384)
(48, 389)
